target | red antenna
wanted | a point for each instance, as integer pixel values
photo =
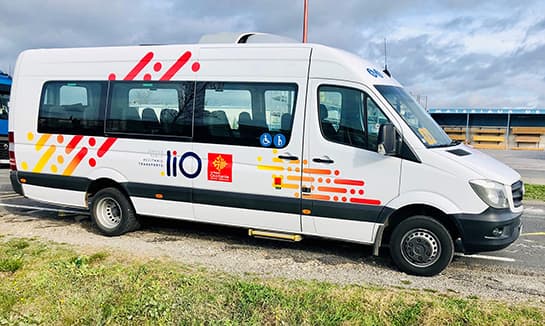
(305, 22)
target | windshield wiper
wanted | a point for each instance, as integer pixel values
(452, 143)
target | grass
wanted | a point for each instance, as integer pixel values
(56, 285)
(535, 192)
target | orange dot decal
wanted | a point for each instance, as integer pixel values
(60, 139)
(289, 169)
(337, 172)
(328, 180)
(344, 198)
(60, 159)
(320, 180)
(296, 195)
(335, 198)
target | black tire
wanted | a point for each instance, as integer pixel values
(421, 246)
(112, 213)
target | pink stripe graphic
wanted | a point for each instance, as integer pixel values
(139, 66)
(72, 144)
(177, 66)
(106, 146)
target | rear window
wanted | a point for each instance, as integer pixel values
(72, 108)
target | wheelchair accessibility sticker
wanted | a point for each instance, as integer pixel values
(265, 140)
(277, 140)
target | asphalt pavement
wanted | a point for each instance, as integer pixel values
(529, 164)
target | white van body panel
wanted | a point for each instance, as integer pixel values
(56, 196)
(354, 231)
(484, 165)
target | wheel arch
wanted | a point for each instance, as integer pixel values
(397, 216)
(102, 183)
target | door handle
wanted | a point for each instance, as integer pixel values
(324, 159)
(288, 157)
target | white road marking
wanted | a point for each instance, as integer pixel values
(45, 209)
(504, 259)
(8, 196)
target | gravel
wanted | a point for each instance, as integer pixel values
(230, 250)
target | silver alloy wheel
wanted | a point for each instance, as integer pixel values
(108, 212)
(420, 248)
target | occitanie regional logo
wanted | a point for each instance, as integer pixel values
(219, 163)
(220, 167)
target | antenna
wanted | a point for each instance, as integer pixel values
(386, 61)
(305, 21)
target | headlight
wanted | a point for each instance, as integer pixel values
(491, 192)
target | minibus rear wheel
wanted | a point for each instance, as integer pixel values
(112, 212)
(421, 246)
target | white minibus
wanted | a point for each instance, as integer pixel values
(283, 138)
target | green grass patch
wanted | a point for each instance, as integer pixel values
(535, 192)
(57, 285)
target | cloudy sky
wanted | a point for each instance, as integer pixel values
(455, 52)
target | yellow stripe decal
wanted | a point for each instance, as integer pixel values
(43, 139)
(270, 168)
(44, 159)
(290, 186)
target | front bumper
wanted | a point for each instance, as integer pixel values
(477, 234)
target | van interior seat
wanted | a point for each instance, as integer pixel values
(285, 123)
(218, 124)
(327, 127)
(150, 120)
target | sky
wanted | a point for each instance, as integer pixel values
(468, 53)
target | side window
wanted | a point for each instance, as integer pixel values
(72, 108)
(349, 116)
(151, 108)
(241, 113)
(375, 118)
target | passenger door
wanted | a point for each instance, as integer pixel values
(346, 182)
(249, 137)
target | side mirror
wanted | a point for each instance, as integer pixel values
(389, 142)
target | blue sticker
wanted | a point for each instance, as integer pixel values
(266, 139)
(375, 73)
(279, 140)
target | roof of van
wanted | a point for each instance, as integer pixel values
(326, 62)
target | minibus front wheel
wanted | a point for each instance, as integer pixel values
(112, 213)
(420, 245)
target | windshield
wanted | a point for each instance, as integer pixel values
(415, 116)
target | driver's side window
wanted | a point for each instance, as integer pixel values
(349, 116)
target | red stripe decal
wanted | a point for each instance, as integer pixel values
(75, 161)
(365, 201)
(72, 144)
(348, 182)
(177, 66)
(106, 146)
(332, 189)
(139, 66)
